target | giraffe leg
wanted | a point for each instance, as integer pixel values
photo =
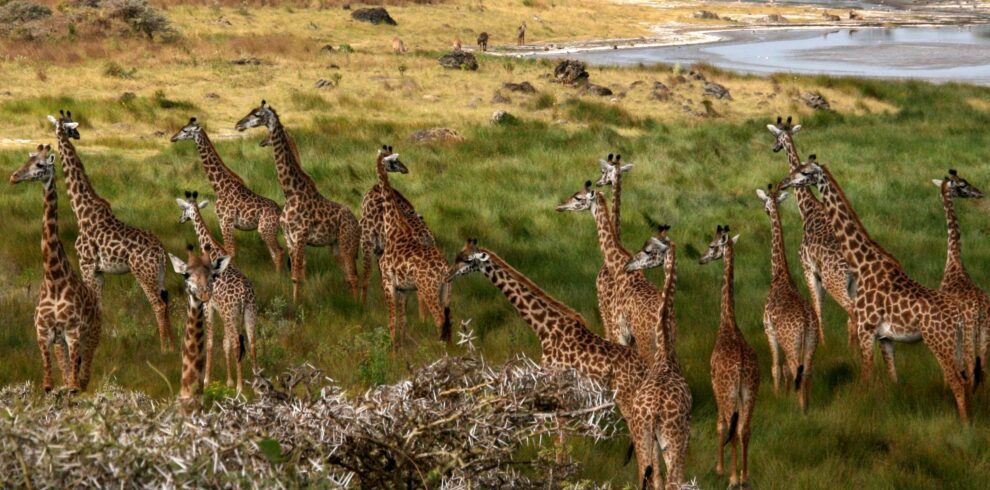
(851, 330)
(149, 270)
(298, 253)
(228, 354)
(227, 221)
(390, 298)
(88, 350)
(208, 342)
(350, 242)
(268, 229)
(250, 319)
(431, 297)
(44, 344)
(675, 454)
(231, 322)
(367, 250)
(734, 462)
(71, 344)
(817, 291)
(775, 363)
(887, 351)
(401, 322)
(866, 339)
(61, 358)
(947, 361)
(720, 427)
(982, 341)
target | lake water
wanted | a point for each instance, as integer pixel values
(941, 54)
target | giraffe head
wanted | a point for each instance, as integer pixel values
(262, 115)
(782, 130)
(808, 175)
(716, 249)
(189, 206)
(654, 251)
(771, 198)
(958, 187)
(200, 273)
(391, 161)
(40, 166)
(610, 168)
(190, 131)
(581, 200)
(65, 125)
(469, 259)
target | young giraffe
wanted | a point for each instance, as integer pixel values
(238, 207)
(200, 273)
(824, 267)
(735, 372)
(373, 221)
(890, 306)
(664, 398)
(68, 313)
(408, 263)
(611, 169)
(233, 298)
(107, 245)
(788, 319)
(956, 281)
(564, 337)
(308, 218)
(637, 300)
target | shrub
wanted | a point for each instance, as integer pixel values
(140, 16)
(114, 70)
(18, 11)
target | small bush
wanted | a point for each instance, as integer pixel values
(545, 100)
(140, 16)
(18, 11)
(114, 70)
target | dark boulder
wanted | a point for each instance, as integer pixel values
(375, 15)
(462, 60)
(571, 72)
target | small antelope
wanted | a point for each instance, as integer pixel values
(398, 46)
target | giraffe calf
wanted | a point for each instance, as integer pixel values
(788, 318)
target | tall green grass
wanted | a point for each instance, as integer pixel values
(501, 186)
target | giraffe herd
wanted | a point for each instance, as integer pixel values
(636, 358)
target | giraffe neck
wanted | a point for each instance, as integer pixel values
(778, 256)
(858, 247)
(395, 223)
(728, 289)
(83, 198)
(616, 257)
(666, 357)
(292, 178)
(953, 262)
(57, 266)
(204, 237)
(217, 172)
(808, 204)
(192, 350)
(617, 203)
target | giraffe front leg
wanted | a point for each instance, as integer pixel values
(71, 345)
(814, 281)
(298, 254)
(349, 243)
(87, 351)
(208, 342)
(250, 320)
(46, 359)
(887, 351)
(947, 361)
(158, 297)
(388, 290)
(227, 222)
(232, 347)
(866, 337)
(775, 364)
(268, 229)
(720, 429)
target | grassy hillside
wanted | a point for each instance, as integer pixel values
(500, 184)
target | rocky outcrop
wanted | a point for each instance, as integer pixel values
(375, 15)
(571, 72)
(460, 60)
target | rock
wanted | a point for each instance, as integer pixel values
(717, 91)
(247, 61)
(212, 95)
(502, 117)
(705, 14)
(635, 84)
(6, 93)
(523, 87)
(374, 15)
(571, 72)
(728, 19)
(435, 135)
(126, 97)
(597, 90)
(775, 19)
(679, 79)
(326, 48)
(462, 60)
(333, 67)
(815, 101)
(696, 75)
(498, 98)
(660, 92)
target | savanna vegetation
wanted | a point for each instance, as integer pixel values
(884, 140)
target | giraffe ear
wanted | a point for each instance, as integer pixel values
(220, 265)
(603, 165)
(762, 195)
(182, 204)
(795, 129)
(773, 129)
(72, 125)
(52, 119)
(735, 239)
(203, 204)
(782, 196)
(937, 182)
(178, 265)
(51, 159)
(626, 168)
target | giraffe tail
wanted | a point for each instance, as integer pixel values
(733, 423)
(978, 373)
(163, 293)
(445, 329)
(241, 349)
(629, 453)
(797, 378)
(647, 476)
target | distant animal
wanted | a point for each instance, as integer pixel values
(398, 46)
(521, 34)
(853, 15)
(483, 41)
(830, 17)
(456, 44)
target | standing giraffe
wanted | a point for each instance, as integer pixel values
(825, 268)
(956, 281)
(636, 299)
(68, 313)
(521, 34)
(107, 245)
(373, 220)
(233, 298)
(664, 399)
(409, 263)
(611, 169)
(564, 337)
(200, 273)
(890, 306)
(735, 372)
(238, 207)
(308, 218)
(788, 319)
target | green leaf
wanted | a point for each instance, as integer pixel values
(272, 450)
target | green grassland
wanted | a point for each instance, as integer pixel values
(500, 184)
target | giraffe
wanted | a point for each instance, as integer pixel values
(735, 372)
(308, 218)
(238, 207)
(409, 262)
(824, 267)
(637, 300)
(373, 221)
(68, 313)
(890, 306)
(611, 169)
(200, 273)
(665, 398)
(521, 34)
(788, 319)
(107, 245)
(956, 281)
(233, 298)
(565, 340)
